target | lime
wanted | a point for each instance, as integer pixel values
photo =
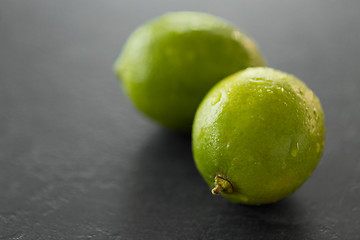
(258, 135)
(169, 64)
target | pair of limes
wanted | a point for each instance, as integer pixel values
(257, 134)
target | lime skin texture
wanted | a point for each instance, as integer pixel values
(170, 63)
(258, 135)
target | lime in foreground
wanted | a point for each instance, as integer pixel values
(258, 135)
(170, 63)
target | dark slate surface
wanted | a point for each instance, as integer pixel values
(77, 161)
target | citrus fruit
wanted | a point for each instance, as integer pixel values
(258, 135)
(169, 64)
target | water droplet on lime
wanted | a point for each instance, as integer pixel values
(216, 99)
(315, 113)
(294, 150)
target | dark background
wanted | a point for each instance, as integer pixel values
(77, 161)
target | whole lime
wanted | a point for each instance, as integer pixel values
(169, 64)
(258, 135)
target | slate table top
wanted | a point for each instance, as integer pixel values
(77, 161)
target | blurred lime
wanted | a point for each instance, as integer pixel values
(258, 135)
(169, 64)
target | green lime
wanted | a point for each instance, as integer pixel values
(258, 135)
(169, 64)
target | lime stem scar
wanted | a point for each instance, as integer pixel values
(222, 185)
